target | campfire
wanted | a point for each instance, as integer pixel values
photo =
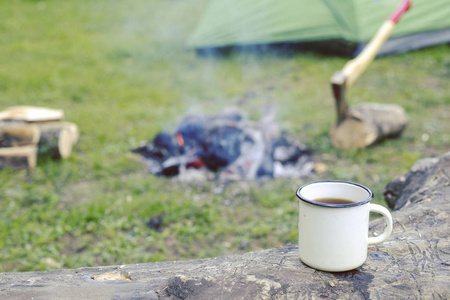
(226, 147)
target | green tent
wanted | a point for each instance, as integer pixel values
(344, 26)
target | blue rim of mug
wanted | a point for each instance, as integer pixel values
(369, 198)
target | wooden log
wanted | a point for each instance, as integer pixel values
(74, 131)
(57, 138)
(415, 186)
(31, 114)
(367, 124)
(18, 134)
(21, 157)
(414, 263)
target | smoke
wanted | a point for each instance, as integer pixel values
(152, 39)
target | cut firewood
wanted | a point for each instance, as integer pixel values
(14, 134)
(57, 138)
(22, 157)
(367, 124)
(31, 114)
(74, 131)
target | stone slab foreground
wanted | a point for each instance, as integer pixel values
(414, 263)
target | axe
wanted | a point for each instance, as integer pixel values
(370, 113)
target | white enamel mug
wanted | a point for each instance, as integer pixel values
(334, 237)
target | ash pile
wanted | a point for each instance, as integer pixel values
(226, 147)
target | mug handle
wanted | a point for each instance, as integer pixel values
(387, 216)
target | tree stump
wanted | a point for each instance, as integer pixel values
(367, 124)
(414, 263)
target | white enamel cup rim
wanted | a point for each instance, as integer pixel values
(310, 201)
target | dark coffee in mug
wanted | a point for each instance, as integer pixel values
(333, 201)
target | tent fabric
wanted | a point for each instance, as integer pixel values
(249, 22)
(411, 42)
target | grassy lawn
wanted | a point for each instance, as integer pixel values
(121, 71)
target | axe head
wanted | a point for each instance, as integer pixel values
(338, 85)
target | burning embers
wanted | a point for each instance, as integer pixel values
(228, 147)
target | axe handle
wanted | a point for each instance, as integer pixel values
(355, 67)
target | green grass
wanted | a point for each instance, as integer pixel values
(120, 70)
